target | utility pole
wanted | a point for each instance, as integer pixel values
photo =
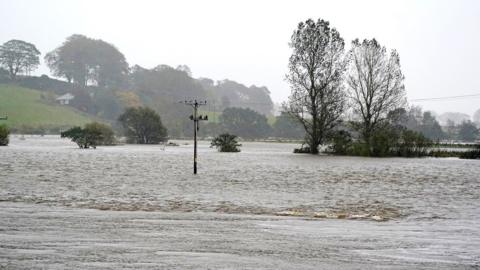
(195, 117)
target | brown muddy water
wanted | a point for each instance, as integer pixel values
(140, 207)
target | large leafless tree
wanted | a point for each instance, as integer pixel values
(375, 84)
(316, 70)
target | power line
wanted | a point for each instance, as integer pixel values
(459, 97)
(446, 98)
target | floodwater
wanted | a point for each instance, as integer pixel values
(140, 207)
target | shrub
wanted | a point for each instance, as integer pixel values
(412, 144)
(77, 135)
(385, 141)
(360, 149)
(91, 135)
(4, 133)
(226, 143)
(302, 150)
(143, 125)
(106, 133)
(444, 153)
(341, 143)
(472, 154)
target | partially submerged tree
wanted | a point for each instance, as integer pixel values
(18, 56)
(316, 70)
(375, 85)
(143, 125)
(107, 136)
(226, 143)
(4, 133)
(79, 136)
(92, 135)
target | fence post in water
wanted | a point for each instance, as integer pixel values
(195, 117)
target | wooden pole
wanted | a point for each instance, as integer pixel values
(196, 118)
(195, 127)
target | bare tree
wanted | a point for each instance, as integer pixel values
(316, 70)
(375, 85)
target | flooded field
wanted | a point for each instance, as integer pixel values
(140, 207)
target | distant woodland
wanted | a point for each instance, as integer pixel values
(103, 83)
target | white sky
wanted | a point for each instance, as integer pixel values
(247, 41)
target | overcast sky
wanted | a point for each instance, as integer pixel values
(247, 41)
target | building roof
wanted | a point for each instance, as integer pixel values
(66, 96)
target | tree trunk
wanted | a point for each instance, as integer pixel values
(13, 73)
(314, 137)
(367, 135)
(314, 147)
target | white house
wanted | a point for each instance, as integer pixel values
(65, 99)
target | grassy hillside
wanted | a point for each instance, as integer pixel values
(25, 107)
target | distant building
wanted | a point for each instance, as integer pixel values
(65, 99)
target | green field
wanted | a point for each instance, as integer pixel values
(25, 108)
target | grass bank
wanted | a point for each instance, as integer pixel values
(26, 109)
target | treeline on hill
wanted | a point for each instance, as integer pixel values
(103, 84)
(426, 124)
(354, 97)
